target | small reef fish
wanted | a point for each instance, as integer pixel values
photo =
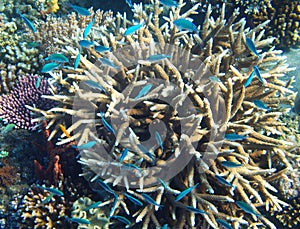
(144, 91)
(185, 192)
(114, 205)
(87, 145)
(133, 29)
(79, 220)
(235, 137)
(101, 48)
(148, 199)
(54, 191)
(224, 224)
(106, 124)
(230, 164)
(146, 152)
(33, 44)
(57, 57)
(261, 105)
(214, 79)
(165, 226)
(158, 57)
(94, 205)
(159, 140)
(80, 10)
(47, 199)
(251, 46)
(86, 43)
(129, 3)
(249, 80)
(88, 29)
(38, 82)
(164, 184)
(122, 219)
(247, 208)
(77, 60)
(27, 21)
(123, 155)
(9, 128)
(134, 200)
(106, 187)
(184, 24)
(168, 3)
(223, 181)
(49, 67)
(195, 210)
(257, 73)
(107, 62)
(94, 85)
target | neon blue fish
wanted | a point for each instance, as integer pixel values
(133, 29)
(168, 3)
(158, 57)
(54, 191)
(250, 44)
(129, 2)
(184, 24)
(165, 226)
(144, 91)
(86, 43)
(77, 60)
(224, 224)
(159, 140)
(48, 198)
(94, 84)
(195, 210)
(88, 29)
(87, 145)
(80, 10)
(49, 67)
(101, 48)
(57, 57)
(249, 80)
(148, 199)
(121, 219)
(134, 200)
(214, 79)
(106, 187)
(261, 105)
(246, 208)
(230, 164)
(27, 21)
(114, 205)
(106, 124)
(94, 205)
(185, 192)
(164, 184)
(257, 73)
(79, 220)
(107, 62)
(223, 181)
(235, 137)
(123, 155)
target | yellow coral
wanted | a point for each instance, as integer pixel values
(53, 6)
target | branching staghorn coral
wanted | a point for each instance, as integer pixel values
(114, 103)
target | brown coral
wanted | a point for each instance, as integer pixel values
(7, 173)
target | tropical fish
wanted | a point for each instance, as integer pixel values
(144, 91)
(168, 3)
(257, 73)
(129, 2)
(38, 82)
(112, 210)
(48, 198)
(79, 220)
(165, 226)
(249, 80)
(148, 199)
(94, 205)
(184, 24)
(214, 79)
(223, 181)
(86, 43)
(33, 44)
(94, 84)
(230, 164)
(123, 155)
(106, 187)
(106, 124)
(107, 62)
(195, 210)
(54, 191)
(132, 166)
(158, 57)
(8, 128)
(224, 224)
(77, 60)
(49, 67)
(159, 140)
(250, 44)
(88, 28)
(133, 29)
(246, 208)
(27, 21)
(235, 137)
(87, 145)
(80, 10)
(185, 192)
(164, 184)
(261, 105)
(57, 57)
(134, 200)
(121, 219)
(101, 48)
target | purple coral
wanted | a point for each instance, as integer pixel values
(28, 91)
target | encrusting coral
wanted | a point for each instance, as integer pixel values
(199, 87)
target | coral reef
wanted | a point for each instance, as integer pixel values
(27, 92)
(130, 92)
(7, 173)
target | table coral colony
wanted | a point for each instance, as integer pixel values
(209, 87)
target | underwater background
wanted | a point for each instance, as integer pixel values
(149, 114)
